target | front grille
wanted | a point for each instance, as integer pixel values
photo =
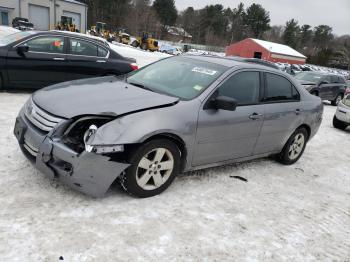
(30, 148)
(39, 118)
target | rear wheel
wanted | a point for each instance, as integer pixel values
(135, 43)
(144, 46)
(294, 148)
(154, 166)
(339, 124)
(336, 101)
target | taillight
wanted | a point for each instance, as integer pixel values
(134, 66)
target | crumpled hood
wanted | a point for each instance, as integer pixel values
(97, 96)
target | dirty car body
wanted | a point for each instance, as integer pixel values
(82, 131)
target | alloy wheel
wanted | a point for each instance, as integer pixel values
(296, 146)
(154, 169)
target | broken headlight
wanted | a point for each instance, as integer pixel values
(99, 149)
(78, 135)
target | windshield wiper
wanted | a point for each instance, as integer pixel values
(140, 85)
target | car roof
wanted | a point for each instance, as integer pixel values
(68, 33)
(234, 62)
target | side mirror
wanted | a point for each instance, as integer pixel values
(21, 49)
(224, 103)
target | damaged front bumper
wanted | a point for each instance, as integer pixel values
(89, 173)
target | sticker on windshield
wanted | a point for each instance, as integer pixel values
(198, 87)
(204, 71)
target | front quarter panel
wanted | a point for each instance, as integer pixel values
(179, 120)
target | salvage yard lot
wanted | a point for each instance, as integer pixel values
(299, 212)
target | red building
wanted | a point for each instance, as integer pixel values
(255, 48)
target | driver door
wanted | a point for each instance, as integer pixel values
(44, 63)
(225, 135)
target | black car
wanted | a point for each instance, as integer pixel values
(32, 59)
(327, 86)
(22, 24)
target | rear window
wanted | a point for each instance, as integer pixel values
(279, 89)
(102, 52)
(83, 48)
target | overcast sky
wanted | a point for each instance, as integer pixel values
(335, 13)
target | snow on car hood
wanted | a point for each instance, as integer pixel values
(98, 96)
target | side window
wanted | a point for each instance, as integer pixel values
(102, 52)
(341, 80)
(280, 89)
(46, 44)
(81, 47)
(243, 86)
(334, 79)
(328, 79)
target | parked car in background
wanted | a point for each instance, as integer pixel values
(341, 119)
(179, 114)
(22, 24)
(347, 90)
(169, 49)
(327, 86)
(6, 30)
(30, 59)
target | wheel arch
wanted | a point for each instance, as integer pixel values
(180, 143)
(307, 127)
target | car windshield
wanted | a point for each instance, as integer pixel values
(14, 37)
(309, 76)
(181, 77)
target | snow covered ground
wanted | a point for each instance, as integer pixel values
(142, 57)
(282, 213)
(294, 213)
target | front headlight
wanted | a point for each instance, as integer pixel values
(82, 131)
(99, 149)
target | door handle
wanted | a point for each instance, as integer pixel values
(101, 61)
(255, 116)
(297, 111)
(59, 58)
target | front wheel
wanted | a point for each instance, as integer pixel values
(154, 166)
(294, 148)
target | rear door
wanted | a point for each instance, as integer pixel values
(325, 87)
(86, 58)
(224, 135)
(282, 113)
(42, 65)
(335, 87)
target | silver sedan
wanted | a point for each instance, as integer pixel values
(176, 115)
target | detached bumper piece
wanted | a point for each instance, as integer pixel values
(89, 173)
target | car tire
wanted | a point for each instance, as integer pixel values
(294, 148)
(337, 99)
(154, 166)
(144, 46)
(135, 44)
(339, 124)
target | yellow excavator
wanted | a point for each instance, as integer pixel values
(101, 30)
(66, 24)
(146, 42)
(121, 36)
